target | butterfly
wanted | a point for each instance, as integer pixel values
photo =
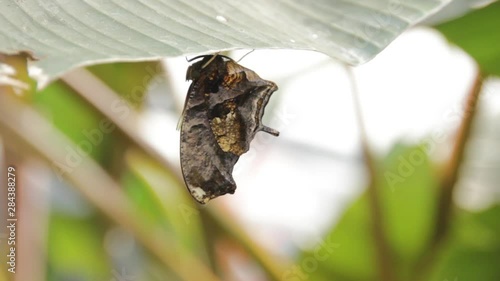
(222, 114)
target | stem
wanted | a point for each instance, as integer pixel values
(451, 171)
(33, 135)
(103, 98)
(383, 251)
(449, 180)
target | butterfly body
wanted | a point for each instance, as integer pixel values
(223, 112)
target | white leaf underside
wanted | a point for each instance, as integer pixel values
(63, 34)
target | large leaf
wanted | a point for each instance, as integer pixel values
(477, 33)
(66, 34)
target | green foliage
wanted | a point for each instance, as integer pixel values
(129, 80)
(73, 116)
(162, 200)
(350, 251)
(75, 248)
(347, 252)
(477, 34)
(408, 207)
(473, 250)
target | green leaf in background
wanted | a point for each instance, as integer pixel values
(407, 193)
(349, 250)
(89, 129)
(162, 197)
(477, 33)
(473, 250)
(75, 249)
(67, 34)
(76, 118)
(129, 80)
(139, 193)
